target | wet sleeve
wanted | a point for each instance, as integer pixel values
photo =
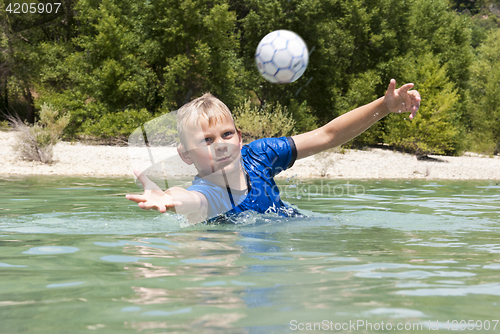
(273, 154)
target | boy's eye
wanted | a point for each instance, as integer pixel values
(225, 135)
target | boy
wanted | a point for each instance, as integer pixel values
(233, 178)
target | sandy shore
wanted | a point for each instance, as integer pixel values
(376, 163)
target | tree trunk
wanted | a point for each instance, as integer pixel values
(6, 92)
(30, 112)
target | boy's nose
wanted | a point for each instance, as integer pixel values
(220, 146)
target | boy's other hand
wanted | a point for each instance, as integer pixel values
(153, 197)
(402, 99)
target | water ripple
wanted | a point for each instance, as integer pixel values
(492, 289)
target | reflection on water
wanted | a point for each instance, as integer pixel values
(76, 256)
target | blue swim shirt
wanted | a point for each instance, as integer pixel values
(261, 160)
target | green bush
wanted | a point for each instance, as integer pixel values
(35, 143)
(485, 97)
(362, 91)
(436, 128)
(4, 125)
(118, 125)
(73, 102)
(273, 120)
(303, 116)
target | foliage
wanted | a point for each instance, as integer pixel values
(4, 125)
(302, 116)
(361, 92)
(152, 56)
(269, 121)
(436, 128)
(112, 64)
(438, 30)
(473, 7)
(346, 38)
(22, 37)
(485, 97)
(115, 125)
(35, 142)
(482, 26)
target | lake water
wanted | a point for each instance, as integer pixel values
(77, 257)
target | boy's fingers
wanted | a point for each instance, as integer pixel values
(405, 88)
(144, 206)
(415, 101)
(415, 105)
(392, 86)
(416, 96)
(149, 206)
(413, 113)
(135, 198)
(171, 206)
(160, 208)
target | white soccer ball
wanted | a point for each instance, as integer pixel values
(281, 56)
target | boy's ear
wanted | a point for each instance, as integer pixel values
(184, 154)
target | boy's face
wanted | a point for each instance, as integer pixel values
(212, 148)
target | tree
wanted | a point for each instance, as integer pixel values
(23, 34)
(153, 55)
(436, 129)
(345, 38)
(485, 96)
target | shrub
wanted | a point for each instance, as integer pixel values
(4, 125)
(303, 116)
(36, 142)
(436, 128)
(271, 120)
(74, 102)
(362, 91)
(118, 125)
(485, 97)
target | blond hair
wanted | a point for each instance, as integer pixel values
(208, 106)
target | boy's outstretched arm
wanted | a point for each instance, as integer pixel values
(191, 204)
(351, 124)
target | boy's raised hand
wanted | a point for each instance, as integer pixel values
(153, 197)
(402, 99)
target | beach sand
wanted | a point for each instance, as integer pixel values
(375, 163)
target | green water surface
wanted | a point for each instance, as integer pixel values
(77, 257)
